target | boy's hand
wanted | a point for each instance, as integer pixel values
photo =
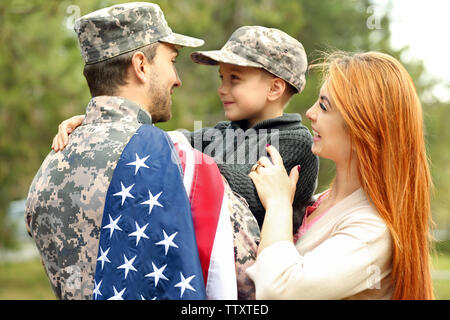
(178, 137)
(66, 127)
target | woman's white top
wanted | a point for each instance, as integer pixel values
(346, 254)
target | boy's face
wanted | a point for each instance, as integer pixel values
(244, 93)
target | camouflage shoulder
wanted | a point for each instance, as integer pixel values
(246, 237)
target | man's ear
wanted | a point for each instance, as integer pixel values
(139, 67)
(277, 88)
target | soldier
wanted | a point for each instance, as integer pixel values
(129, 53)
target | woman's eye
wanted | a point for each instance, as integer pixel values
(322, 106)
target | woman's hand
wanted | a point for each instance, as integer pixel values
(66, 127)
(272, 183)
(276, 191)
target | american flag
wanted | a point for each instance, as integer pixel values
(165, 231)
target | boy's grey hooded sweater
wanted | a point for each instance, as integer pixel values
(236, 148)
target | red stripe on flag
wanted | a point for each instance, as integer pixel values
(206, 202)
(182, 155)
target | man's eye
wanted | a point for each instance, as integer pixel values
(234, 77)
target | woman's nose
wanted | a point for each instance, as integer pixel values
(310, 114)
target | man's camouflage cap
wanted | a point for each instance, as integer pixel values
(112, 31)
(261, 47)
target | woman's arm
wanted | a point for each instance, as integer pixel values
(339, 267)
(355, 257)
(276, 191)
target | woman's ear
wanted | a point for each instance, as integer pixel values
(277, 88)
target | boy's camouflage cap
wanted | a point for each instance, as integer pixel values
(261, 47)
(112, 31)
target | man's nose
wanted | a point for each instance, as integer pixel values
(177, 80)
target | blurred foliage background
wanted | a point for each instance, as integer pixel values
(41, 81)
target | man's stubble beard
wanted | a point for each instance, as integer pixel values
(160, 101)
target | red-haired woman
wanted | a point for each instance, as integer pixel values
(367, 236)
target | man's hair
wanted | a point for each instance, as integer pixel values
(105, 77)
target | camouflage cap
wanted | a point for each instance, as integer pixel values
(261, 47)
(112, 31)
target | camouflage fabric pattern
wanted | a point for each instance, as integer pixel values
(65, 203)
(246, 237)
(261, 47)
(109, 32)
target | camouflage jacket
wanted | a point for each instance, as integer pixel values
(65, 203)
(66, 199)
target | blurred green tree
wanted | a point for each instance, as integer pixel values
(42, 82)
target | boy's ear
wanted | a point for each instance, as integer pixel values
(277, 88)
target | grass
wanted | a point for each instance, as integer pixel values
(441, 262)
(28, 281)
(24, 281)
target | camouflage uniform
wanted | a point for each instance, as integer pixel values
(246, 237)
(109, 32)
(66, 200)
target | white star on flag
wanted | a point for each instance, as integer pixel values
(138, 163)
(125, 192)
(113, 225)
(97, 289)
(168, 241)
(117, 295)
(184, 284)
(152, 201)
(139, 233)
(157, 273)
(103, 257)
(128, 265)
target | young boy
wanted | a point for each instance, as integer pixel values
(261, 69)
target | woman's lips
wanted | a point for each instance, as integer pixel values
(316, 136)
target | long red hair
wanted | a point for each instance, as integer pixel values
(378, 101)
